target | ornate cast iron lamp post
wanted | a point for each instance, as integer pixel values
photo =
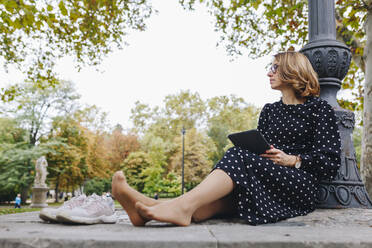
(331, 60)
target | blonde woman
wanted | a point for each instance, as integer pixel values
(260, 188)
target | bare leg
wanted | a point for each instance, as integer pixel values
(224, 205)
(180, 210)
(128, 196)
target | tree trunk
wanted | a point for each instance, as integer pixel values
(24, 195)
(366, 161)
(26, 189)
(56, 189)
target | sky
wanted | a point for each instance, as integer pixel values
(177, 52)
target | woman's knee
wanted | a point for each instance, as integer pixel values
(232, 151)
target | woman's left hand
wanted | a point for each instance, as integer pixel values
(279, 157)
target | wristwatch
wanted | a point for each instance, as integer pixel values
(298, 162)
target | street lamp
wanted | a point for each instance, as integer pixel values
(331, 59)
(183, 157)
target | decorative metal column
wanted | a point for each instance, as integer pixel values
(331, 60)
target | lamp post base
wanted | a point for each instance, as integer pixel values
(347, 189)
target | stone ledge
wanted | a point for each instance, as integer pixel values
(323, 228)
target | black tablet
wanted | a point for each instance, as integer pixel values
(252, 140)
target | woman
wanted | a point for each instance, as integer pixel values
(265, 188)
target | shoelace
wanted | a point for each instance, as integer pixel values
(74, 202)
(94, 206)
(109, 202)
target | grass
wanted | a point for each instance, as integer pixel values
(17, 210)
(9, 209)
(117, 204)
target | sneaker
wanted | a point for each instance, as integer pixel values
(95, 210)
(49, 214)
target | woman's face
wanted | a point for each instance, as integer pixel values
(275, 82)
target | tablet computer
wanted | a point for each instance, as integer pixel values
(252, 140)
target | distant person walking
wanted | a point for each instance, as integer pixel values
(18, 201)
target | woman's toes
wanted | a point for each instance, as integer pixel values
(118, 181)
(118, 176)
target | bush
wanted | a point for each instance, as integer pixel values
(7, 195)
(97, 185)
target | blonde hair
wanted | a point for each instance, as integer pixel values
(296, 70)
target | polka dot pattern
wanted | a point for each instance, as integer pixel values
(266, 192)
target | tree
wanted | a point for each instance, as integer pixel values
(35, 34)
(11, 132)
(228, 114)
(155, 182)
(357, 142)
(34, 110)
(143, 116)
(17, 168)
(95, 125)
(366, 160)
(92, 118)
(67, 163)
(13, 173)
(97, 186)
(133, 166)
(183, 109)
(119, 146)
(157, 177)
(36, 107)
(197, 164)
(96, 158)
(14, 168)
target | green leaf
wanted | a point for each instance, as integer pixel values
(62, 7)
(50, 8)
(256, 4)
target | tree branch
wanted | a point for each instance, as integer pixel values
(367, 4)
(348, 37)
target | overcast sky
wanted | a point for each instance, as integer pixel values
(177, 52)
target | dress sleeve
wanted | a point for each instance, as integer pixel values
(263, 120)
(324, 159)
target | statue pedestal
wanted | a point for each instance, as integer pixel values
(39, 197)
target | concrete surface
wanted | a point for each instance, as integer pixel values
(337, 228)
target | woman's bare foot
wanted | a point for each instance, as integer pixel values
(127, 197)
(171, 212)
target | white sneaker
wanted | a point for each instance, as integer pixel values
(49, 214)
(98, 209)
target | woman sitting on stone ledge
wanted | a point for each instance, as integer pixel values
(260, 188)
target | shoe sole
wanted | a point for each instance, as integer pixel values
(64, 218)
(47, 217)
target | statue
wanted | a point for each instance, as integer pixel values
(41, 172)
(40, 188)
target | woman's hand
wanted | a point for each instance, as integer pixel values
(280, 157)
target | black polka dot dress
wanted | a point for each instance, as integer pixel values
(267, 192)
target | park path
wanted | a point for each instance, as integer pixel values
(322, 228)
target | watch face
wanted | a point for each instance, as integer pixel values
(298, 165)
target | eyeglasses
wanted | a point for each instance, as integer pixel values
(274, 68)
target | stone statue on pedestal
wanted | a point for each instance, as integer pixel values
(41, 172)
(40, 188)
